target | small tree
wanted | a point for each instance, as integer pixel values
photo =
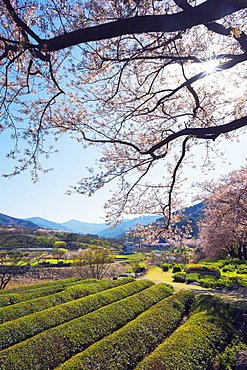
(93, 262)
(11, 262)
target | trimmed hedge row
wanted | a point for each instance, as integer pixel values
(202, 269)
(73, 292)
(126, 347)
(9, 298)
(44, 284)
(55, 346)
(18, 330)
(193, 345)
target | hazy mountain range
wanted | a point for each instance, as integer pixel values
(101, 229)
(75, 226)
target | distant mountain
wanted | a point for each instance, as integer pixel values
(46, 224)
(125, 226)
(192, 215)
(103, 230)
(84, 227)
(8, 220)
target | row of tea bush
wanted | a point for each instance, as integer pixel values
(18, 330)
(77, 291)
(56, 345)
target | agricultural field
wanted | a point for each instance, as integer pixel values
(112, 325)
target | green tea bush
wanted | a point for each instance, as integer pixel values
(194, 344)
(225, 360)
(53, 283)
(54, 346)
(10, 298)
(73, 292)
(179, 277)
(18, 330)
(126, 347)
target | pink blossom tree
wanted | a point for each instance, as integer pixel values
(223, 229)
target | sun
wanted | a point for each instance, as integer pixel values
(210, 65)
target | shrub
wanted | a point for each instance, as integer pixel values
(232, 280)
(209, 281)
(225, 360)
(191, 278)
(194, 344)
(166, 266)
(220, 263)
(203, 270)
(53, 347)
(179, 277)
(242, 269)
(234, 261)
(177, 268)
(228, 268)
(18, 330)
(127, 346)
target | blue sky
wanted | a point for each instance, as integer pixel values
(21, 198)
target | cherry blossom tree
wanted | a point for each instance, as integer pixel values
(223, 229)
(94, 262)
(129, 77)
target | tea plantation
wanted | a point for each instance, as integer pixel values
(113, 325)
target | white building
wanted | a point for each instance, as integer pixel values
(129, 248)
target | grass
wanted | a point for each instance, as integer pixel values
(157, 275)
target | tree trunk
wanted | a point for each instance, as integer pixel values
(245, 252)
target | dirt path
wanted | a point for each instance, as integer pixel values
(236, 295)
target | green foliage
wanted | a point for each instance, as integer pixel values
(201, 268)
(225, 360)
(178, 268)
(126, 347)
(15, 331)
(72, 292)
(166, 266)
(47, 284)
(179, 277)
(193, 345)
(9, 240)
(16, 295)
(242, 269)
(191, 278)
(208, 281)
(53, 347)
(228, 268)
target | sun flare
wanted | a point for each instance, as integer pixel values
(210, 65)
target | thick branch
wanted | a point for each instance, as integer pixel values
(204, 13)
(201, 133)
